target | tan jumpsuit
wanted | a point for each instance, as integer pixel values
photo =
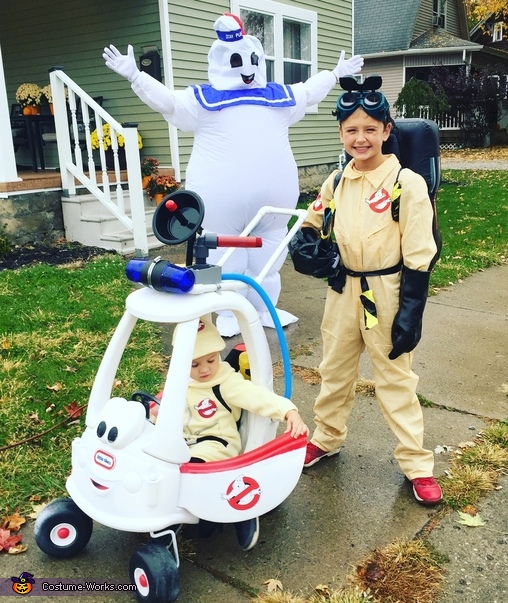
(210, 426)
(369, 240)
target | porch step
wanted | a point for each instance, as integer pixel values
(87, 221)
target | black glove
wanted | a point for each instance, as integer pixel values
(313, 255)
(407, 324)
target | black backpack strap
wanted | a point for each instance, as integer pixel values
(336, 180)
(329, 212)
(218, 395)
(396, 194)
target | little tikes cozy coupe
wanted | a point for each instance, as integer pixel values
(130, 474)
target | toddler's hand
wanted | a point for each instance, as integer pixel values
(295, 424)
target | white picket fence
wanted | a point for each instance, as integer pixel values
(445, 121)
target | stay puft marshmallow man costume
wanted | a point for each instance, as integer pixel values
(241, 159)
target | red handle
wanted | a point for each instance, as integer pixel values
(230, 241)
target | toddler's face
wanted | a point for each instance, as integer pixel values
(205, 368)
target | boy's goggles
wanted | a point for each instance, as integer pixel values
(373, 103)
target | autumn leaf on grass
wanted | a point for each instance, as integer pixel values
(73, 410)
(273, 585)
(55, 388)
(322, 589)
(36, 509)
(35, 417)
(470, 520)
(8, 540)
(13, 522)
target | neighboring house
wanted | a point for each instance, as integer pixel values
(493, 35)
(300, 38)
(407, 38)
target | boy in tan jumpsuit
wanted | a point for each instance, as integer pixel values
(216, 396)
(376, 298)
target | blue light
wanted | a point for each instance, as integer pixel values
(133, 270)
(160, 275)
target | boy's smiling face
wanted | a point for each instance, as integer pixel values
(205, 367)
(363, 138)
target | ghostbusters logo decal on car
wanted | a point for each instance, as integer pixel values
(243, 493)
(379, 201)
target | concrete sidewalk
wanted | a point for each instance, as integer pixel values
(345, 507)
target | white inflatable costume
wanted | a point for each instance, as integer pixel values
(241, 159)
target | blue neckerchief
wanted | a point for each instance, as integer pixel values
(273, 95)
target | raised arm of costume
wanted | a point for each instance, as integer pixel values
(123, 64)
(150, 91)
(348, 66)
(318, 86)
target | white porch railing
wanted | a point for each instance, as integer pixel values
(445, 121)
(72, 135)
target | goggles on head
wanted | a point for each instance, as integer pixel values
(364, 95)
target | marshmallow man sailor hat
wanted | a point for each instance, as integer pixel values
(236, 61)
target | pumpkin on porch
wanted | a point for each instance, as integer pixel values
(29, 97)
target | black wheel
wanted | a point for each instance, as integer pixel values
(153, 570)
(62, 529)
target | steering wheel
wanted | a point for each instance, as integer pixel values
(145, 398)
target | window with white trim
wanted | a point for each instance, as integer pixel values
(288, 35)
(497, 34)
(439, 13)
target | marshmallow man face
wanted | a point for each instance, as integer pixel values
(237, 64)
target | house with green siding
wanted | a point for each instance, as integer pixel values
(299, 38)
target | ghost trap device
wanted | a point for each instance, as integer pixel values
(177, 220)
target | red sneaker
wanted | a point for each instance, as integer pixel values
(427, 491)
(315, 454)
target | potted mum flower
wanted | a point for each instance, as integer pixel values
(149, 167)
(48, 95)
(29, 97)
(159, 187)
(106, 142)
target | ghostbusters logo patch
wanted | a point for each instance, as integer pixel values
(318, 204)
(206, 408)
(379, 201)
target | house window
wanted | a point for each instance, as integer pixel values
(288, 35)
(497, 34)
(439, 13)
(503, 88)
